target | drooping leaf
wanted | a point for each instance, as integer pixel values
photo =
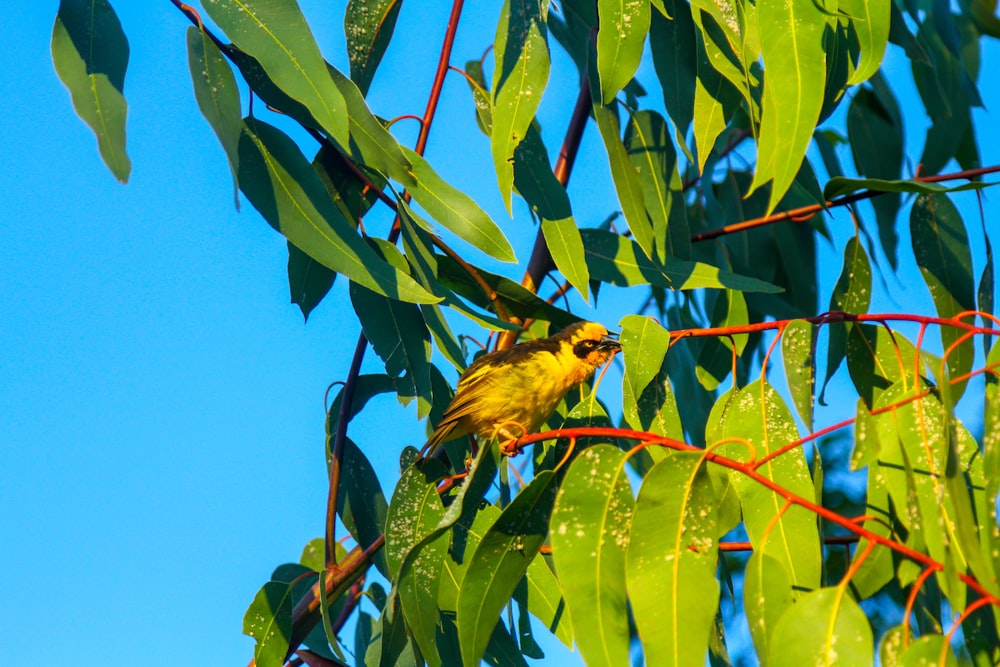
(875, 129)
(716, 359)
(623, 25)
(675, 56)
(269, 621)
(519, 79)
(90, 53)
(625, 178)
(456, 211)
(715, 102)
(653, 156)
(798, 356)
(218, 97)
(838, 186)
(282, 185)
(397, 333)
(500, 561)
(791, 37)
(415, 553)
(308, 280)
(767, 590)
(589, 531)
(368, 25)
(671, 561)
(851, 294)
(361, 504)
(276, 34)
(941, 248)
(870, 22)
(644, 345)
(758, 420)
(878, 358)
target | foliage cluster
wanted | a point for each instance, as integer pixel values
(632, 540)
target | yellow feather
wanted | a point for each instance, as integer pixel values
(514, 391)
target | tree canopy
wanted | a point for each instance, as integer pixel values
(702, 509)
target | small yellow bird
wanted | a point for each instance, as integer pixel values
(512, 392)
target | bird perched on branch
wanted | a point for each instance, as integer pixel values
(510, 393)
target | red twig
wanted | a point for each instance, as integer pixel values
(806, 212)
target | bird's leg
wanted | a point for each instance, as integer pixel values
(509, 445)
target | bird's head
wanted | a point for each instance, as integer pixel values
(591, 342)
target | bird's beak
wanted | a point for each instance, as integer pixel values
(609, 343)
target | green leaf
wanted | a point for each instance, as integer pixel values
(620, 38)
(500, 561)
(361, 504)
(672, 554)
(615, 259)
(715, 102)
(308, 280)
(758, 420)
(90, 53)
(791, 37)
(674, 47)
(282, 185)
(371, 144)
(652, 155)
(878, 358)
(269, 621)
(767, 591)
(218, 97)
(368, 25)
(875, 129)
(913, 455)
(941, 248)
(562, 237)
(716, 360)
(841, 186)
(825, 628)
(520, 76)
(928, 650)
(626, 180)
(545, 601)
(798, 356)
(644, 345)
(397, 333)
(870, 22)
(851, 294)
(456, 211)
(589, 534)
(414, 551)
(276, 34)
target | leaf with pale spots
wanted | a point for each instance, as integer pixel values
(589, 531)
(671, 561)
(825, 628)
(499, 563)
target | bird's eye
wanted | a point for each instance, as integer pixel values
(584, 347)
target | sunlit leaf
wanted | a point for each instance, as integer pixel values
(620, 38)
(825, 628)
(276, 34)
(851, 294)
(791, 37)
(716, 358)
(870, 21)
(519, 79)
(589, 533)
(798, 355)
(672, 560)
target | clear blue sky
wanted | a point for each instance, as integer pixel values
(161, 402)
